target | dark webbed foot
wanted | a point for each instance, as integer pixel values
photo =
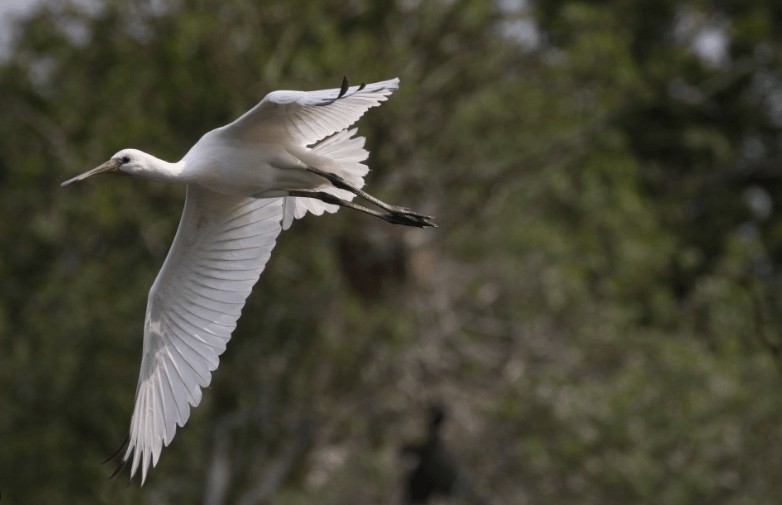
(408, 212)
(408, 218)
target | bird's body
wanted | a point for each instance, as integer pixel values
(291, 154)
(261, 169)
(435, 472)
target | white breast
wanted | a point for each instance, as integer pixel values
(241, 168)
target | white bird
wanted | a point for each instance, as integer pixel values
(290, 154)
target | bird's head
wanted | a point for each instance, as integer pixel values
(126, 161)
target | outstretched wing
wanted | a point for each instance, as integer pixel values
(305, 117)
(220, 249)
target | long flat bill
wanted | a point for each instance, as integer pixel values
(110, 166)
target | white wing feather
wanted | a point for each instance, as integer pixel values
(347, 152)
(220, 249)
(305, 117)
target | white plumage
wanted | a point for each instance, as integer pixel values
(246, 181)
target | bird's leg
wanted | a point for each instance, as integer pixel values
(341, 183)
(391, 217)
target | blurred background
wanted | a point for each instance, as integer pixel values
(596, 321)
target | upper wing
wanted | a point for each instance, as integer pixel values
(305, 117)
(220, 249)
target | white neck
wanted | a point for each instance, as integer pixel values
(148, 166)
(163, 170)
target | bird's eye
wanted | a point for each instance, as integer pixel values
(125, 159)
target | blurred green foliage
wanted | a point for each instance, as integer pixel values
(599, 310)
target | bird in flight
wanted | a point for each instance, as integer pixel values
(292, 153)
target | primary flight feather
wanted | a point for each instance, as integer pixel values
(291, 154)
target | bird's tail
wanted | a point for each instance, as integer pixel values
(347, 152)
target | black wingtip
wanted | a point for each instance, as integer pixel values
(363, 85)
(117, 470)
(344, 88)
(117, 458)
(116, 453)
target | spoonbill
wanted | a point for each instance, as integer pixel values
(291, 154)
